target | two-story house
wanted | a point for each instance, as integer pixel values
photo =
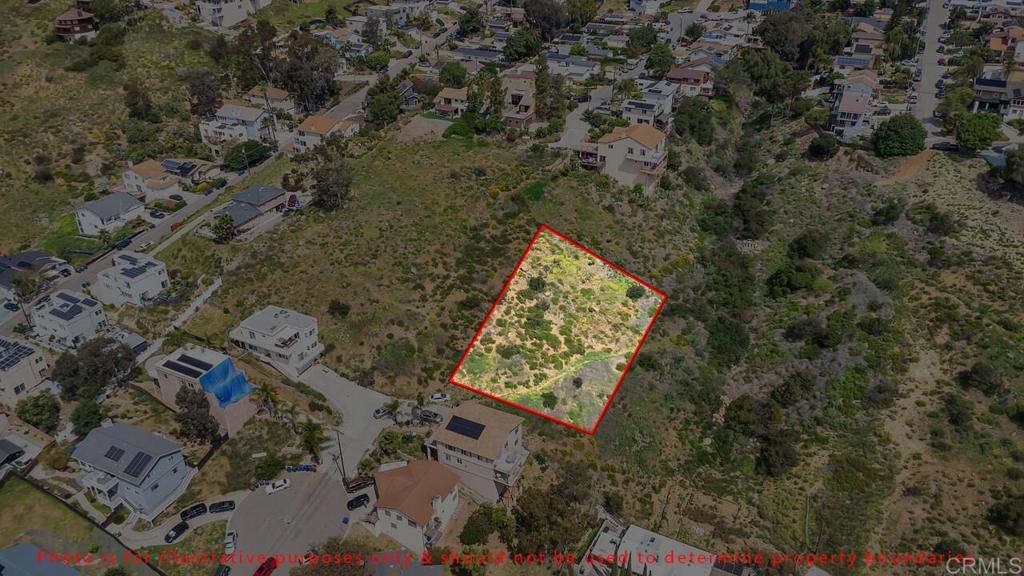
(149, 181)
(35, 264)
(253, 206)
(133, 278)
(315, 129)
(484, 447)
(694, 78)
(227, 13)
(852, 116)
(226, 387)
(270, 97)
(67, 318)
(111, 213)
(451, 102)
(650, 112)
(632, 155)
(285, 339)
(520, 109)
(75, 24)
(124, 464)
(415, 502)
(232, 124)
(22, 368)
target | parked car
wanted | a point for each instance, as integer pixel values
(267, 568)
(222, 506)
(222, 570)
(146, 245)
(941, 49)
(945, 147)
(383, 412)
(176, 532)
(65, 273)
(430, 416)
(278, 485)
(439, 397)
(156, 214)
(358, 502)
(942, 61)
(194, 511)
(229, 542)
(177, 197)
(939, 83)
(123, 243)
(11, 306)
(913, 98)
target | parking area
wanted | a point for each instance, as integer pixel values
(296, 519)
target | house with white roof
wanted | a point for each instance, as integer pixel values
(617, 546)
(111, 213)
(227, 388)
(124, 464)
(415, 503)
(68, 319)
(22, 369)
(575, 68)
(232, 124)
(484, 447)
(227, 13)
(133, 278)
(285, 339)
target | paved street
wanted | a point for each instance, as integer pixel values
(155, 536)
(295, 519)
(359, 429)
(930, 69)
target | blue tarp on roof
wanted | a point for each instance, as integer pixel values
(226, 383)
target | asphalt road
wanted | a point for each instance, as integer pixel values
(930, 69)
(295, 519)
(155, 536)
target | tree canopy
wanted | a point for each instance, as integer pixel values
(901, 135)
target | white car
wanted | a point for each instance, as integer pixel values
(229, 542)
(439, 397)
(278, 485)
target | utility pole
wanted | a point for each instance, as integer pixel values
(340, 460)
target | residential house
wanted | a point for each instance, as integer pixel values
(227, 13)
(76, 24)
(36, 265)
(133, 278)
(520, 109)
(451, 102)
(664, 92)
(484, 447)
(124, 464)
(601, 30)
(650, 112)
(270, 97)
(233, 123)
(852, 116)
(1003, 41)
(397, 13)
(863, 81)
(410, 95)
(415, 502)
(866, 35)
(499, 40)
(67, 318)
(226, 387)
(575, 68)
(632, 156)
(22, 442)
(617, 546)
(358, 24)
(26, 559)
(645, 7)
(150, 181)
(849, 64)
(22, 369)
(253, 206)
(313, 131)
(285, 339)
(111, 213)
(499, 25)
(478, 55)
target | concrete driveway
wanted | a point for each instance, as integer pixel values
(155, 536)
(576, 128)
(359, 429)
(296, 519)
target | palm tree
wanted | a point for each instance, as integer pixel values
(25, 286)
(291, 413)
(266, 397)
(312, 438)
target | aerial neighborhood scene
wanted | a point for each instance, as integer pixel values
(511, 287)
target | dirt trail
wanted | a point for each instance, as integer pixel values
(909, 168)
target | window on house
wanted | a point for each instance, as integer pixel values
(155, 486)
(19, 388)
(630, 150)
(411, 523)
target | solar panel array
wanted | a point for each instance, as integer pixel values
(182, 369)
(138, 464)
(195, 362)
(467, 428)
(67, 297)
(11, 353)
(114, 453)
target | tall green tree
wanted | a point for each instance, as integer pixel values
(901, 135)
(547, 16)
(194, 419)
(471, 21)
(97, 364)
(978, 131)
(581, 12)
(86, 416)
(332, 183)
(659, 60)
(41, 411)
(524, 43)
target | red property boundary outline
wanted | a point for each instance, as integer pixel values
(533, 240)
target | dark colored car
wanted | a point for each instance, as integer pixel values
(267, 568)
(177, 197)
(122, 244)
(945, 147)
(194, 511)
(222, 570)
(222, 506)
(358, 502)
(11, 306)
(176, 532)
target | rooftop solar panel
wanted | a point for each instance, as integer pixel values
(182, 369)
(67, 297)
(467, 428)
(138, 464)
(114, 453)
(90, 302)
(195, 362)
(11, 353)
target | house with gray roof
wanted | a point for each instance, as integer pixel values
(34, 263)
(124, 464)
(133, 278)
(24, 560)
(575, 68)
(22, 369)
(66, 319)
(232, 124)
(111, 213)
(253, 206)
(287, 340)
